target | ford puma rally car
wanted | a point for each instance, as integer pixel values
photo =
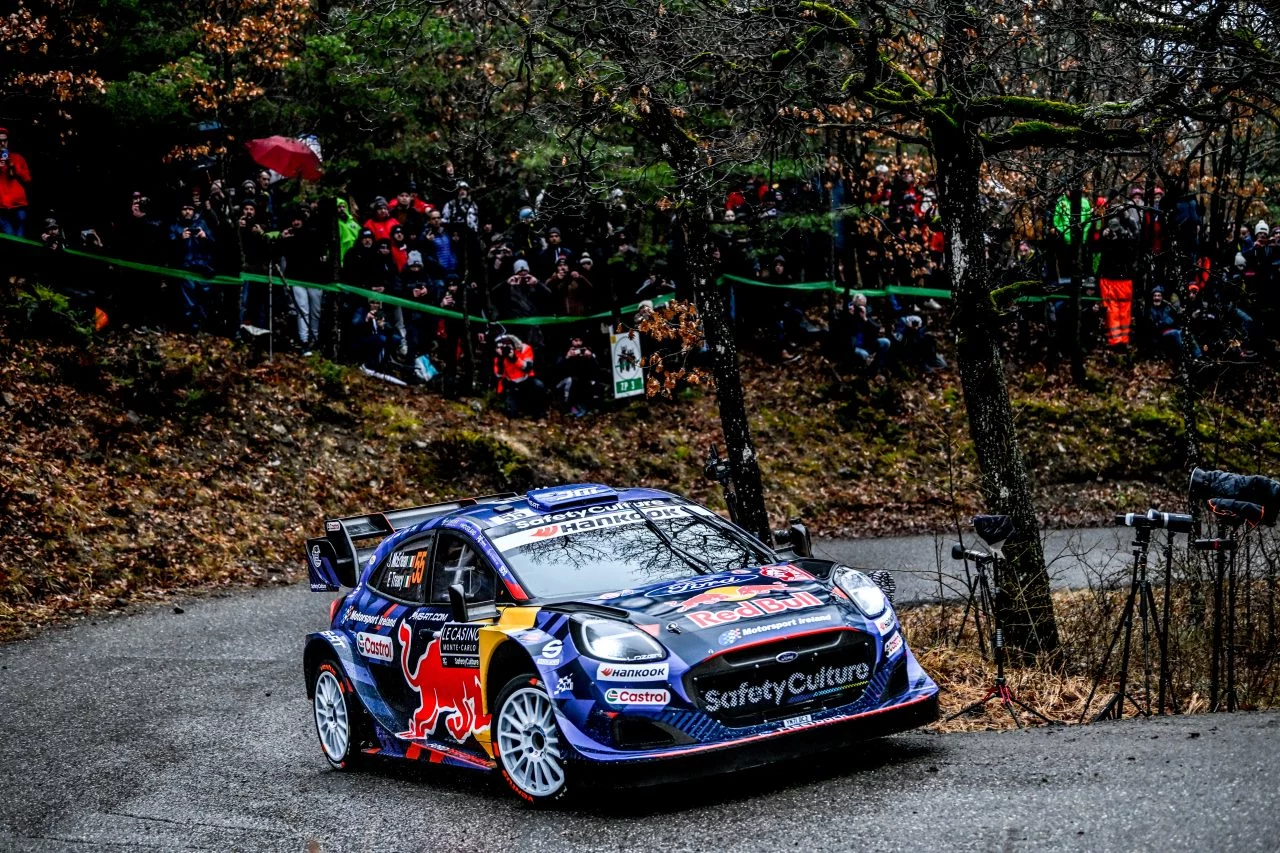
(554, 634)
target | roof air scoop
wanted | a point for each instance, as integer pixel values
(567, 497)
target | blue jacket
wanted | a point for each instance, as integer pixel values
(194, 253)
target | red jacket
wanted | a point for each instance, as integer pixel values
(13, 190)
(515, 370)
(382, 230)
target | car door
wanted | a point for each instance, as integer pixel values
(397, 590)
(442, 664)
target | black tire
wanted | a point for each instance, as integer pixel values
(342, 724)
(544, 777)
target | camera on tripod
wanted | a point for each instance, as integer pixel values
(1174, 522)
(1224, 492)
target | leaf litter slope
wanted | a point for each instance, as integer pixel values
(141, 464)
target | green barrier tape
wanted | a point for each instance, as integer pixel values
(332, 287)
(894, 289)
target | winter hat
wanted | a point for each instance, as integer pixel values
(1239, 260)
(380, 201)
(365, 232)
(521, 265)
(585, 259)
(552, 230)
(1262, 228)
(1159, 288)
(415, 257)
(526, 212)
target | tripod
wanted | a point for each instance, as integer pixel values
(1140, 592)
(1224, 574)
(1000, 689)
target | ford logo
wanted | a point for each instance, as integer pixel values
(786, 657)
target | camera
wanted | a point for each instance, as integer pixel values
(1253, 488)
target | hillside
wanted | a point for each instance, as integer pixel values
(143, 463)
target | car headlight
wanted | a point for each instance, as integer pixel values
(611, 640)
(862, 590)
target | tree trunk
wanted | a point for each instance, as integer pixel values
(743, 463)
(1026, 611)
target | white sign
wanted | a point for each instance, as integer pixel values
(628, 375)
(632, 672)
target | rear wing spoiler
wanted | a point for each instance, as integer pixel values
(334, 560)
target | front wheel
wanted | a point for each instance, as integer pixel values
(532, 753)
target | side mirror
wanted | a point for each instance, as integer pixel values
(457, 604)
(460, 611)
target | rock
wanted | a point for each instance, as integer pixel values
(279, 429)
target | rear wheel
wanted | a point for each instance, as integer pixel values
(339, 717)
(531, 751)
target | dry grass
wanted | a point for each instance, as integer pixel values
(1059, 687)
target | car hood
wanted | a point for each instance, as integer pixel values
(703, 614)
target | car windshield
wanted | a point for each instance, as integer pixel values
(620, 548)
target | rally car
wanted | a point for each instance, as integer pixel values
(577, 628)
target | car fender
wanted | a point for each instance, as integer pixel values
(338, 644)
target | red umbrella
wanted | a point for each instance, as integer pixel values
(289, 157)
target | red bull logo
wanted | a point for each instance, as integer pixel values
(453, 691)
(753, 609)
(722, 594)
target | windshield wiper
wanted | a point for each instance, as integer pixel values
(701, 566)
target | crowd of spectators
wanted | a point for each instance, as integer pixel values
(438, 244)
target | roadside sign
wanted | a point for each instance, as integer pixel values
(628, 375)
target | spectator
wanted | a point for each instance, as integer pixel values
(521, 391)
(381, 222)
(193, 239)
(526, 296)
(348, 230)
(1163, 322)
(409, 210)
(866, 339)
(1116, 245)
(462, 209)
(554, 252)
(579, 387)
(262, 191)
(255, 251)
(301, 249)
(399, 246)
(15, 177)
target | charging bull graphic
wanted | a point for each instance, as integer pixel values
(722, 594)
(454, 691)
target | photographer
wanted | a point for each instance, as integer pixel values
(193, 239)
(521, 391)
(579, 387)
(15, 176)
(866, 339)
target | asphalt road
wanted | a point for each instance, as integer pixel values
(191, 731)
(924, 571)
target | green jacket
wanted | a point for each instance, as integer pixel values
(1062, 216)
(348, 230)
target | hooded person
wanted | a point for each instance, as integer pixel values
(513, 365)
(348, 230)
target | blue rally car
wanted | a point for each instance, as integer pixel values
(574, 628)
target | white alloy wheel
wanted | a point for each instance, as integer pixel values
(333, 720)
(529, 744)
